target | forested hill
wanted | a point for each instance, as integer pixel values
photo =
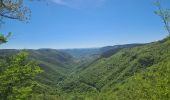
(58, 64)
(132, 73)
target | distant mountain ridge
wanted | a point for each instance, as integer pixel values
(102, 51)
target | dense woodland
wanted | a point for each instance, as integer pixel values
(120, 72)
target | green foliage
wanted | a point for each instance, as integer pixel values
(3, 39)
(151, 84)
(17, 79)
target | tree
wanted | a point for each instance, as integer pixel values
(16, 74)
(3, 39)
(11, 9)
(14, 9)
(17, 79)
(164, 14)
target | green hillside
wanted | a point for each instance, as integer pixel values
(117, 73)
(86, 57)
(59, 64)
(56, 64)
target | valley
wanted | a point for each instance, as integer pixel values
(97, 72)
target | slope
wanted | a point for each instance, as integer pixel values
(106, 73)
(56, 64)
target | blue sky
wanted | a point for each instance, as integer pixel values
(62, 24)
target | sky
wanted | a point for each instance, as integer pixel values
(63, 24)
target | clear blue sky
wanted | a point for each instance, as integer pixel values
(85, 23)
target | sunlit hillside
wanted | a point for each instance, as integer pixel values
(84, 50)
